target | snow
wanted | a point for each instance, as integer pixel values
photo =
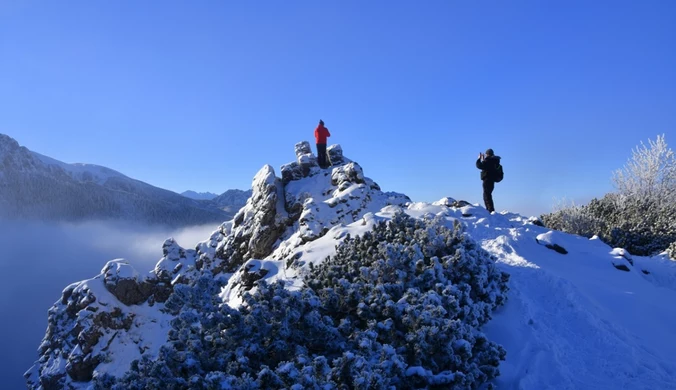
(572, 320)
(82, 172)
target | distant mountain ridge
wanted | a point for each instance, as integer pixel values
(35, 186)
(232, 200)
(199, 195)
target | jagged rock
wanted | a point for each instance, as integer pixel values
(122, 280)
(257, 226)
(302, 148)
(291, 171)
(348, 173)
(251, 273)
(304, 158)
(171, 250)
(335, 153)
(85, 317)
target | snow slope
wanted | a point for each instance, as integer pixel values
(572, 321)
(82, 172)
(580, 314)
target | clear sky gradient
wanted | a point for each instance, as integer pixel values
(200, 95)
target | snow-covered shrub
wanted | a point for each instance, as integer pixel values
(671, 251)
(641, 215)
(575, 219)
(400, 307)
(650, 174)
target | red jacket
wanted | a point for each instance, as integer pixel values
(321, 133)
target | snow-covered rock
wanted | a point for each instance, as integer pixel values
(89, 328)
(277, 220)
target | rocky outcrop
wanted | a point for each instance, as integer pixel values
(80, 328)
(256, 227)
(345, 175)
(335, 153)
(100, 320)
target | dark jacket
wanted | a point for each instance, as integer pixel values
(488, 166)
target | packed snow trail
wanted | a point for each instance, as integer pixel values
(574, 321)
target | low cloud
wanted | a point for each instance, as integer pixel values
(38, 260)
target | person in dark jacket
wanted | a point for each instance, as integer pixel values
(321, 133)
(488, 164)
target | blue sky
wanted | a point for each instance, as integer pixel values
(200, 95)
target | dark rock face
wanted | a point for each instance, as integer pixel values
(258, 225)
(249, 276)
(536, 221)
(302, 148)
(335, 153)
(621, 267)
(346, 174)
(121, 280)
(304, 158)
(555, 247)
(76, 325)
(291, 171)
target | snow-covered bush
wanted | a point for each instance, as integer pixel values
(575, 219)
(400, 307)
(650, 174)
(641, 215)
(671, 251)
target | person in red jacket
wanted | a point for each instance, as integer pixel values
(321, 133)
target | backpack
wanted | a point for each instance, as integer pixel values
(498, 173)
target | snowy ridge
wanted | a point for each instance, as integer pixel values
(579, 314)
(34, 186)
(82, 172)
(199, 195)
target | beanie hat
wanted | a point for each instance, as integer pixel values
(489, 152)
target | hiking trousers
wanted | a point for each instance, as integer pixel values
(321, 156)
(489, 185)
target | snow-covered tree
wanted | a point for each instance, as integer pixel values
(650, 174)
(641, 215)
